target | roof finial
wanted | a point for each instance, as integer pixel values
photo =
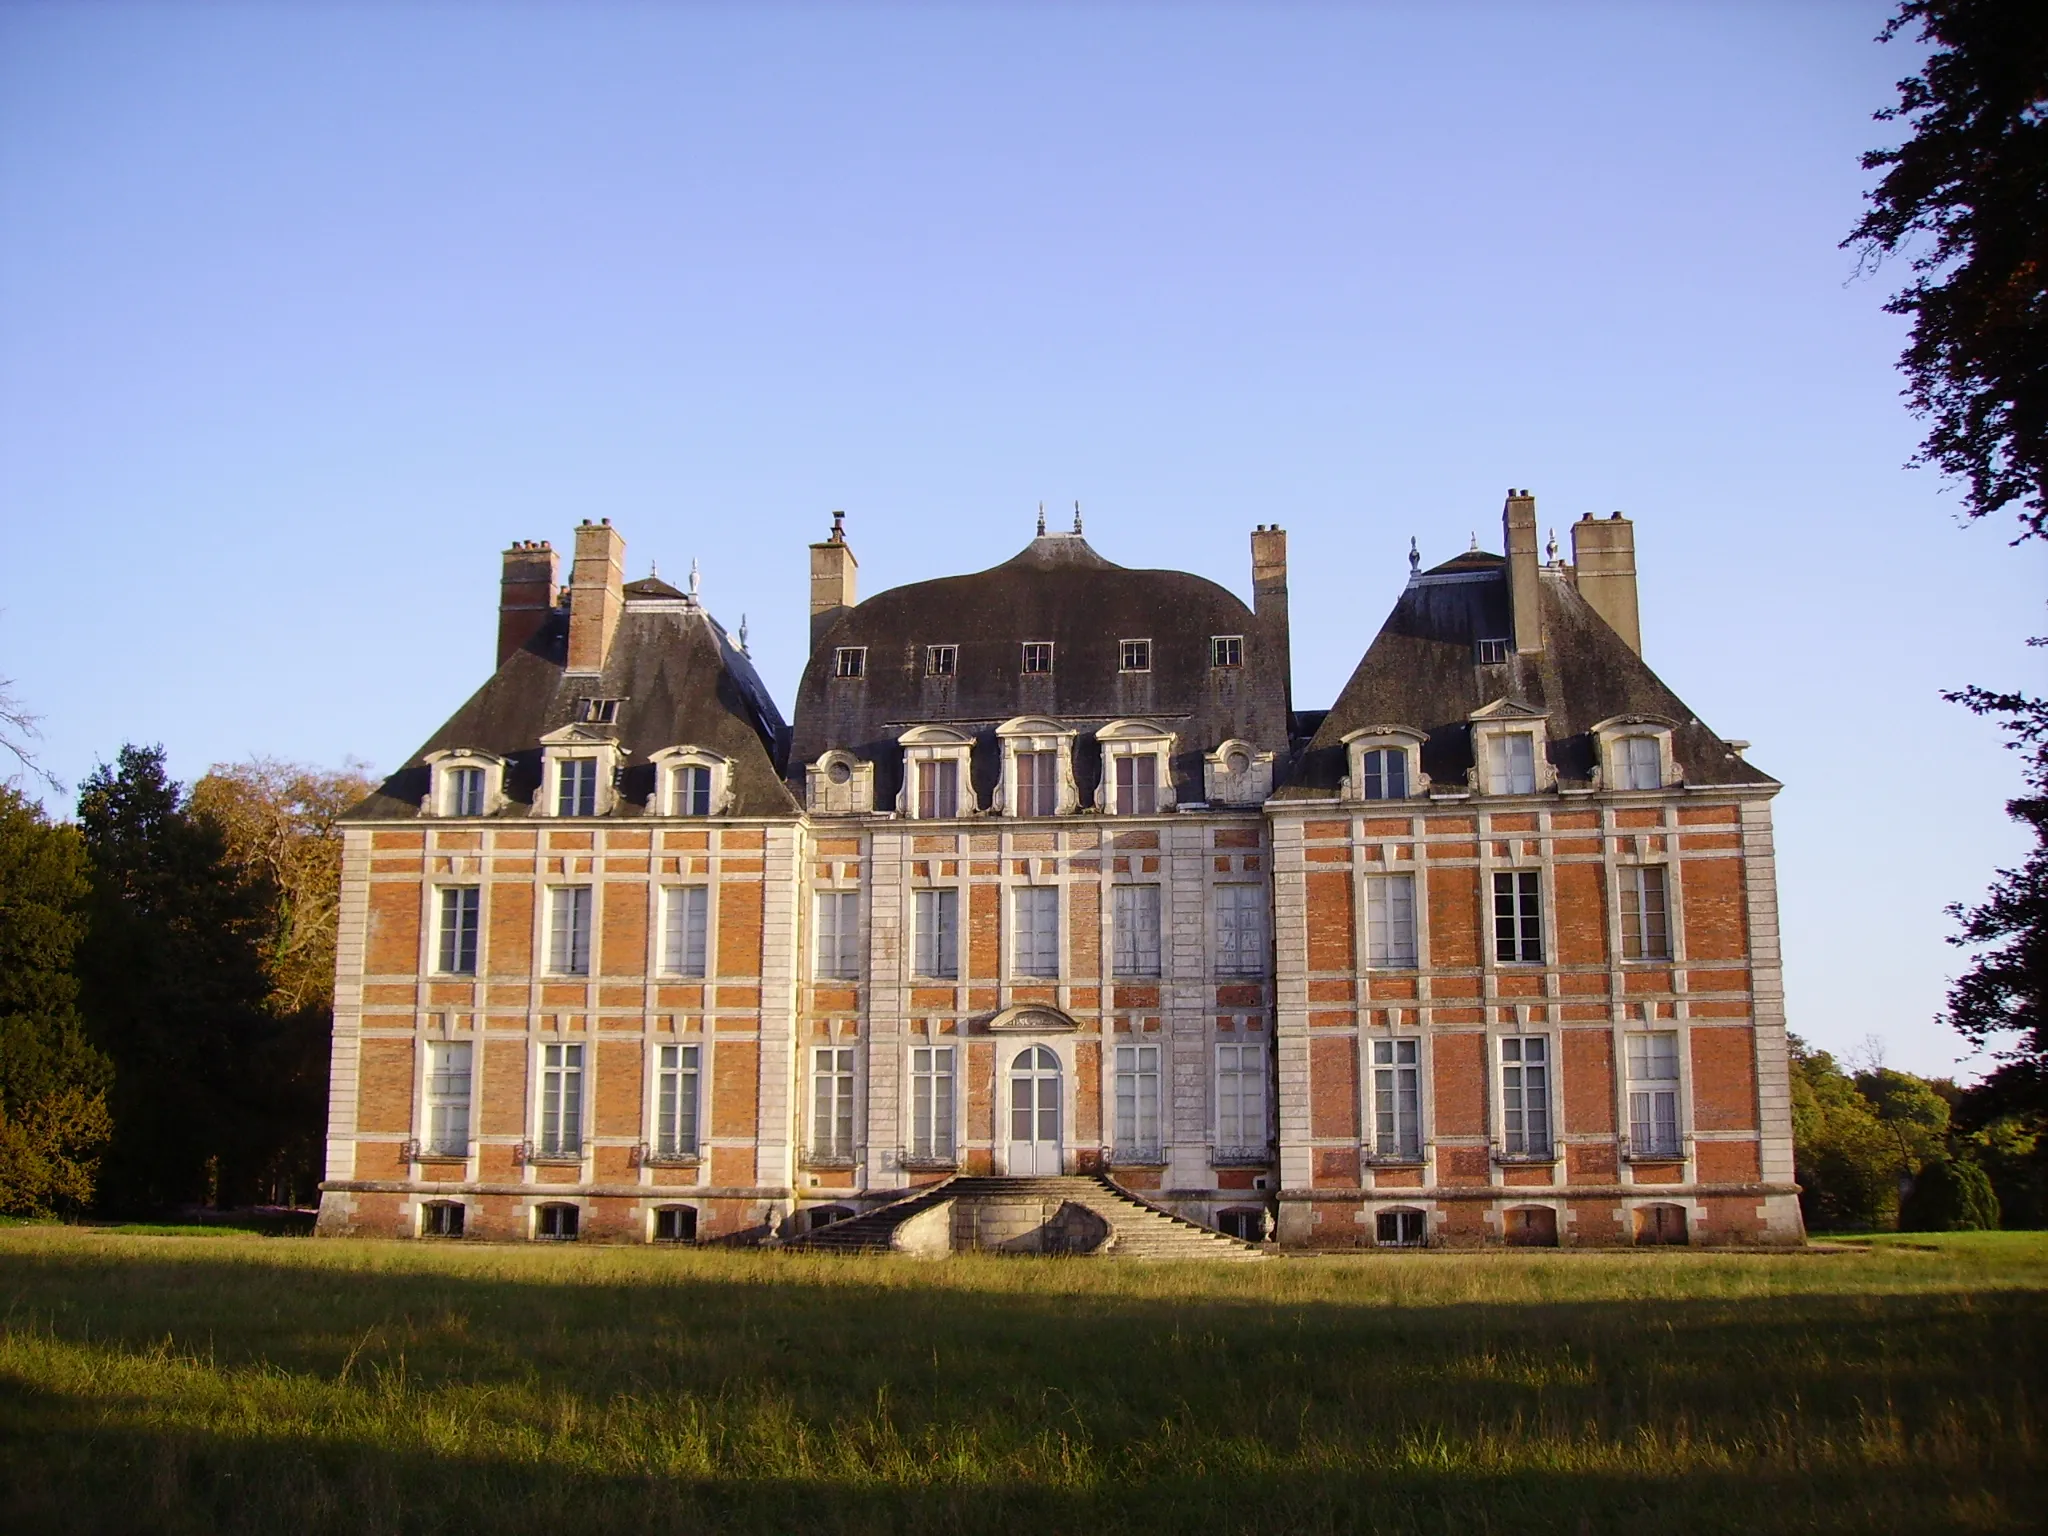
(743, 634)
(693, 579)
(1041, 519)
(1475, 542)
(1551, 548)
(1414, 557)
(1077, 517)
(654, 567)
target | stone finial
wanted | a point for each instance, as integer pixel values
(1077, 517)
(743, 634)
(1414, 557)
(1550, 549)
(695, 580)
(1041, 519)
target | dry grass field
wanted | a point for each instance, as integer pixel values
(250, 1384)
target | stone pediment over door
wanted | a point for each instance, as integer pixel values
(1032, 1019)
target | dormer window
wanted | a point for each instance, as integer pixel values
(463, 783)
(941, 660)
(579, 772)
(1511, 750)
(465, 792)
(1385, 774)
(693, 790)
(1491, 653)
(850, 661)
(1385, 763)
(1134, 656)
(938, 789)
(1226, 650)
(1037, 783)
(576, 786)
(840, 784)
(691, 781)
(1635, 752)
(598, 711)
(1038, 656)
(1640, 763)
(1038, 769)
(1137, 761)
(1137, 786)
(936, 786)
(1511, 763)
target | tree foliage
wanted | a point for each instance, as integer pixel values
(1966, 196)
(1846, 1159)
(1950, 1195)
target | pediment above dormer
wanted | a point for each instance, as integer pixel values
(1508, 709)
(576, 734)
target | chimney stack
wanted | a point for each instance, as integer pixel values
(1604, 557)
(597, 594)
(1518, 524)
(526, 594)
(1269, 600)
(832, 578)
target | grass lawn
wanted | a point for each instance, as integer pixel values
(276, 1384)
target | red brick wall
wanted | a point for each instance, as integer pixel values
(384, 1091)
(984, 930)
(394, 932)
(618, 1087)
(1716, 927)
(509, 948)
(1588, 1080)
(1331, 945)
(1723, 1079)
(735, 1088)
(739, 928)
(1333, 1087)
(1454, 916)
(1581, 914)
(1460, 1072)
(624, 948)
(502, 1109)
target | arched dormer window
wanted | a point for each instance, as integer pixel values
(1237, 773)
(691, 781)
(464, 782)
(1384, 762)
(840, 784)
(1137, 768)
(936, 785)
(579, 773)
(1038, 768)
(1511, 750)
(1635, 753)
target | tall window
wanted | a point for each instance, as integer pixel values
(1642, 763)
(937, 917)
(1137, 1100)
(931, 1101)
(1035, 945)
(448, 1097)
(569, 930)
(1645, 927)
(832, 1102)
(1517, 917)
(1525, 1094)
(1226, 650)
(693, 790)
(1511, 763)
(466, 792)
(1386, 774)
(576, 786)
(1135, 921)
(675, 1100)
(455, 951)
(1241, 1097)
(1390, 921)
(1241, 930)
(1653, 1094)
(1397, 1098)
(685, 924)
(1137, 785)
(938, 789)
(838, 936)
(561, 1101)
(1038, 783)
(1037, 655)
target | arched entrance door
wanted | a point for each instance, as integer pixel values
(1034, 1112)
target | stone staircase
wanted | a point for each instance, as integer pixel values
(1083, 1215)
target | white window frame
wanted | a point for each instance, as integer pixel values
(1402, 739)
(1035, 650)
(1032, 733)
(1393, 940)
(1044, 942)
(1614, 735)
(935, 936)
(1134, 741)
(834, 1103)
(934, 1130)
(677, 1113)
(1242, 1124)
(686, 931)
(1137, 1103)
(1655, 1098)
(1134, 655)
(835, 938)
(444, 766)
(928, 745)
(942, 660)
(850, 663)
(672, 767)
(446, 964)
(1242, 948)
(1644, 931)
(1397, 1098)
(1226, 653)
(1136, 917)
(1527, 1121)
(1504, 718)
(450, 1097)
(573, 742)
(558, 1096)
(561, 956)
(1526, 904)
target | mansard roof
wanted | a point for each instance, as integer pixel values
(679, 679)
(1422, 670)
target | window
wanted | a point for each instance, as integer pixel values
(556, 1223)
(1401, 1229)
(941, 660)
(1137, 785)
(455, 951)
(937, 952)
(448, 1097)
(1241, 930)
(675, 1224)
(685, 923)
(1035, 944)
(1226, 650)
(832, 1103)
(598, 711)
(1386, 774)
(693, 790)
(561, 1101)
(1247, 1223)
(1645, 927)
(576, 786)
(850, 661)
(1492, 652)
(838, 936)
(1390, 921)
(1135, 929)
(1517, 917)
(442, 1218)
(1653, 1094)
(1525, 1095)
(1641, 763)
(1134, 656)
(938, 789)
(1038, 791)
(1137, 1102)
(1241, 1098)
(465, 794)
(1511, 763)
(1397, 1098)
(676, 1075)
(569, 930)
(931, 1102)
(1037, 655)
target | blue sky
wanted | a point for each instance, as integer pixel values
(306, 311)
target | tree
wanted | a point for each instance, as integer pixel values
(17, 729)
(1911, 1111)
(53, 1106)
(1967, 196)
(1845, 1158)
(1950, 1195)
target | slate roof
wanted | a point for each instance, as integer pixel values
(1058, 588)
(680, 679)
(1422, 671)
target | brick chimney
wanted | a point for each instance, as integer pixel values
(597, 594)
(526, 594)
(1604, 558)
(1518, 525)
(833, 569)
(1269, 600)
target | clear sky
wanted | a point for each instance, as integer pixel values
(306, 311)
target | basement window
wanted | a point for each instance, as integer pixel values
(941, 660)
(1226, 650)
(1038, 656)
(850, 661)
(556, 1223)
(442, 1218)
(1492, 652)
(1401, 1229)
(675, 1224)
